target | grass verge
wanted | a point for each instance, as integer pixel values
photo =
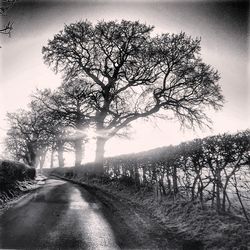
(189, 220)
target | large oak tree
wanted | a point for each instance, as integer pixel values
(135, 74)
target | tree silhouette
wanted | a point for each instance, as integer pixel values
(53, 126)
(133, 74)
(68, 106)
(28, 138)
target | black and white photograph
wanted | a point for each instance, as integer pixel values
(125, 124)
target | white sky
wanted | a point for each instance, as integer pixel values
(224, 45)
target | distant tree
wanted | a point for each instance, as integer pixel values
(16, 145)
(135, 75)
(54, 128)
(68, 105)
(27, 138)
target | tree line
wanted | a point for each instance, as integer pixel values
(113, 74)
(213, 170)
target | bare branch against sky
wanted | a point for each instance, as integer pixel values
(222, 25)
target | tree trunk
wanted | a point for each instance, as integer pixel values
(161, 182)
(175, 182)
(213, 193)
(42, 159)
(144, 178)
(78, 152)
(194, 186)
(52, 158)
(99, 157)
(34, 160)
(60, 154)
(240, 200)
(137, 176)
(201, 188)
(31, 156)
(225, 196)
(218, 185)
(168, 181)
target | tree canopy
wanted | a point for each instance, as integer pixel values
(133, 74)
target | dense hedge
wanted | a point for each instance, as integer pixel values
(214, 171)
(11, 172)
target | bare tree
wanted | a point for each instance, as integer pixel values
(53, 126)
(68, 106)
(27, 137)
(135, 75)
(16, 145)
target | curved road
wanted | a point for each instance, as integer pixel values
(60, 215)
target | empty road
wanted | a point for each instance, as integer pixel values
(58, 216)
(62, 215)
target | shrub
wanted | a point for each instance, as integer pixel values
(11, 172)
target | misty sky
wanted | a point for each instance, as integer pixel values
(222, 25)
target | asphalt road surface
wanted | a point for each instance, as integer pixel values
(60, 215)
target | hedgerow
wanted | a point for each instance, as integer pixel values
(12, 174)
(200, 187)
(214, 171)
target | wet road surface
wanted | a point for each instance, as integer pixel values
(60, 215)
